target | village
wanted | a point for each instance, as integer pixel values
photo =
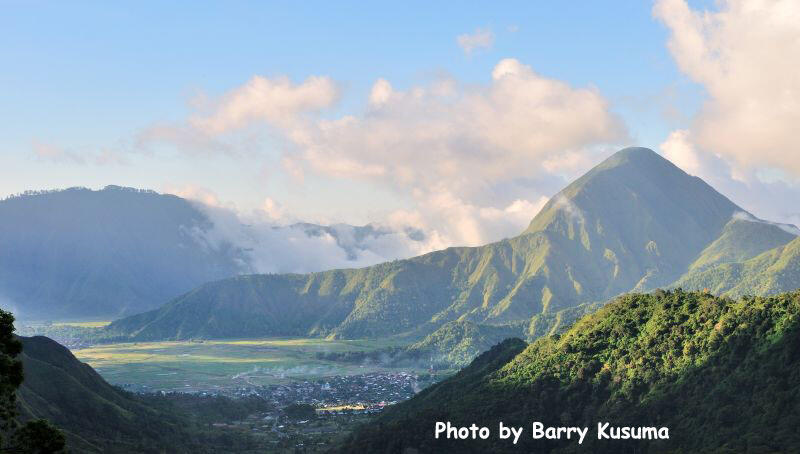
(308, 416)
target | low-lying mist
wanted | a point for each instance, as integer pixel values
(303, 247)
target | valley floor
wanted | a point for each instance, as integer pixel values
(227, 366)
(283, 372)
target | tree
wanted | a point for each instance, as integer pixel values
(35, 437)
(300, 411)
(10, 371)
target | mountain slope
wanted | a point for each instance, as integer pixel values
(774, 271)
(742, 238)
(83, 253)
(635, 221)
(98, 418)
(79, 253)
(459, 342)
(75, 398)
(722, 375)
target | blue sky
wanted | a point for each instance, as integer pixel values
(81, 77)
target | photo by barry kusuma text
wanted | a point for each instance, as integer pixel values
(539, 431)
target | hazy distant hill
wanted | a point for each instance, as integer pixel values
(722, 375)
(78, 253)
(633, 222)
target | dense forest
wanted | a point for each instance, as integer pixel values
(723, 375)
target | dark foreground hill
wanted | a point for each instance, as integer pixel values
(634, 222)
(98, 418)
(118, 251)
(722, 375)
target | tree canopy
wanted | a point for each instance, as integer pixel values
(36, 436)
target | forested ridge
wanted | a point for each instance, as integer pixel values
(722, 374)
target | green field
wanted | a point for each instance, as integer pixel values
(92, 324)
(222, 364)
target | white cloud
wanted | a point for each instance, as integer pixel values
(272, 247)
(56, 154)
(745, 216)
(743, 140)
(274, 240)
(481, 38)
(449, 220)
(277, 101)
(448, 149)
(463, 154)
(570, 209)
(273, 210)
(466, 140)
(223, 125)
(196, 193)
(679, 149)
(381, 92)
(744, 55)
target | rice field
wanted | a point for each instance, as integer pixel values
(92, 324)
(217, 365)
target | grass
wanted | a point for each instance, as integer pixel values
(92, 324)
(222, 364)
(340, 408)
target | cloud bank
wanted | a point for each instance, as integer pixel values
(269, 246)
(468, 156)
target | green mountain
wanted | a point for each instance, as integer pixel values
(98, 418)
(459, 342)
(553, 323)
(774, 271)
(93, 414)
(633, 222)
(742, 238)
(118, 251)
(722, 375)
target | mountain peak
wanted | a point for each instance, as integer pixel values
(638, 173)
(637, 202)
(641, 158)
(636, 152)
